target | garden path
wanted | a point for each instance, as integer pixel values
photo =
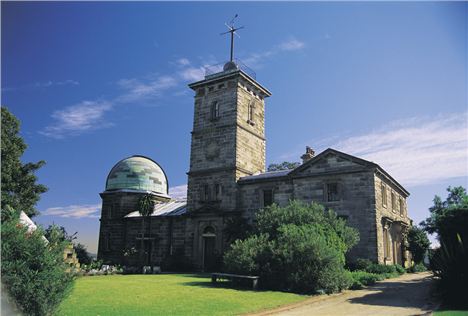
(409, 294)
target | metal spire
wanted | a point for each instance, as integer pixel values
(232, 30)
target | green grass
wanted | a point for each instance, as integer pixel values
(451, 313)
(166, 294)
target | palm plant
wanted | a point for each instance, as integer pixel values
(145, 208)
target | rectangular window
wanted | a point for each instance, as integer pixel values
(384, 195)
(402, 207)
(218, 191)
(107, 241)
(394, 205)
(206, 192)
(214, 110)
(267, 197)
(332, 192)
(251, 111)
(109, 211)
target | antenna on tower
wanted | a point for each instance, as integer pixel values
(232, 30)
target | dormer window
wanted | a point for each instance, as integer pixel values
(214, 114)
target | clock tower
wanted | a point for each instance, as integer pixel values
(228, 137)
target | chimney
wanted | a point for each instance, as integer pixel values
(309, 154)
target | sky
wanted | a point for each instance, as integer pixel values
(95, 82)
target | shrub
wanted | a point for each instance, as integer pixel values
(418, 267)
(361, 278)
(298, 248)
(399, 269)
(382, 269)
(32, 269)
(359, 264)
(418, 242)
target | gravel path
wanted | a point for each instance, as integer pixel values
(405, 295)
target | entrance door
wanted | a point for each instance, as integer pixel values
(209, 258)
(209, 249)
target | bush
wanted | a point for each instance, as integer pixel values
(297, 248)
(362, 278)
(418, 267)
(382, 269)
(359, 264)
(33, 270)
(399, 269)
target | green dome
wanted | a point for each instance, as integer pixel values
(137, 173)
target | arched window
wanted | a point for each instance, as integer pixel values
(209, 231)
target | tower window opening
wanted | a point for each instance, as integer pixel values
(214, 110)
(250, 112)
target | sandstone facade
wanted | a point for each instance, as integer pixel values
(227, 179)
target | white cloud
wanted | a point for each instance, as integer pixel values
(416, 151)
(74, 211)
(292, 44)
(78, 118)
(183, 62)
(141, 89)
(193, 73)
(178, 192)
(45, 84)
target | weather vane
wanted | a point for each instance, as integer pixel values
(232, 30)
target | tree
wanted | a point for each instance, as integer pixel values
(285, 165)
(418, 243)
(82, 254)
(19, 187)
(449, 220)
(145, 208)
(300, 247)
(59, 232)
(33, 270)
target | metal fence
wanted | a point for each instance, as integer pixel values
(217, 68)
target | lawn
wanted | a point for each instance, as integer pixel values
(166, 294)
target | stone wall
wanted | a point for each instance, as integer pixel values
(386, 213)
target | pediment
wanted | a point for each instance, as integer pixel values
(331, 161)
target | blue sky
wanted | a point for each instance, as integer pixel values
(93, 83)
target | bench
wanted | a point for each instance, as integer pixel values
(232, 277)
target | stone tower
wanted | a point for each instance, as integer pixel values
(228, 137)
(228, 142)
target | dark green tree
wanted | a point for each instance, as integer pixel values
(19, 187)
(82, 253)
(285, 165)
(449, 220)
(418, 243)
(33, 269)
(145, 208)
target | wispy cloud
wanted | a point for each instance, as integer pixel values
(45, 84)
(89, 115)
(74, 211)
(414, 151)
(286, 46)
(178, 192)
(78, 118)
(292, 44)
(193, 73)
(418, 150)
(141, 89)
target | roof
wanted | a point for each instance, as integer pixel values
(137, 173)
(171, 208)
(266, 175)
(290, 173)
